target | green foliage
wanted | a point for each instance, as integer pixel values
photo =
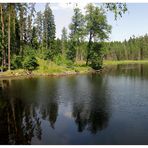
(117, 8)
(96, 23)
(97, 29)
(48, 28)
(60, 60)
(64, 39)
(30, 63)
(3, 68)
(33, 36)
(77, 33)
(132, 49)
(35, 43)
(27, 51)
(58, 47)
(71, 53)
(16, 62)
(96, 59)
(48, 55)
(34, 39)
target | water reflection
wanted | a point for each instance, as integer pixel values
(84, 109)
(48, 102)
(23, 112)
(100, 112)
(92, 114)
(129, 70)
(18, 120)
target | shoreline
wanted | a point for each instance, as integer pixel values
(16, 74)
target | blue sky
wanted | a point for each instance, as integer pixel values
(134, 22)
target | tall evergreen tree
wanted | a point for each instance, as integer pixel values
(39, 26)
(22, 7)
(64, 39)
(30, 21)
(48, 28)
(76, 33)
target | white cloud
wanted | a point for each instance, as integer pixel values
(70, 5)
(57, 6)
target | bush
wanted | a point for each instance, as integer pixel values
(16, 62)
(96, 62)
(71, 53)
(3, 68)
(60, 60)
(96, 59)
(27, 51)
(70, 64)
(30, 63)
(48, 54)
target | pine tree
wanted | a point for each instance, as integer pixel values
(39, 26)
(64, 39)
(30, 21)
(76, 33)
(48, 28)
(22, 7)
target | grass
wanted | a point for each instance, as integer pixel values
(46, 67)
(50, 68)
(108, 62)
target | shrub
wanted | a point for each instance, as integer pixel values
(60, 60)
(96, 58)
(27, 51)
(16, 62)
(71, 53)
(48, 54)
(96, 61)
(3, 68)
(30, 63)
(70, 64)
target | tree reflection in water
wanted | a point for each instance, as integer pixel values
(92, 113)
(24, 105)
(49, 102)
(18, 122)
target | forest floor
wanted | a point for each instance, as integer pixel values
(51, 69)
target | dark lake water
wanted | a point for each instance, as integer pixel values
(106, 108)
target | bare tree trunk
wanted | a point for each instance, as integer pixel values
(3, 50)
(9, 41)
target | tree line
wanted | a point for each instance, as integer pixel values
(136, 48)
(26, 35)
